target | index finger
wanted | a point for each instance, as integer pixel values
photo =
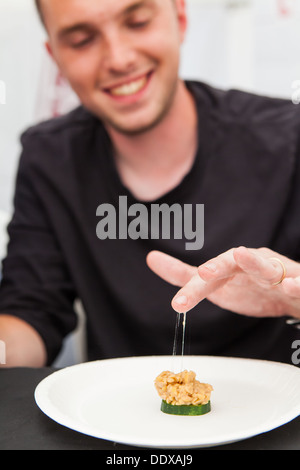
(194, 291)
(211, 276)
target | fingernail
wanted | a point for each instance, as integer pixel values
(181, 300)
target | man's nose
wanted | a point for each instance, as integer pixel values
(119, 53)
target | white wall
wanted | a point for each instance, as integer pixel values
(20, 57)
(276, 45)
(248, 44)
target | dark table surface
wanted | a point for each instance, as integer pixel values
(24, 427)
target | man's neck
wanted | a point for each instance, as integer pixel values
(153, 163)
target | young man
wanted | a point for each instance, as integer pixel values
(146, 136)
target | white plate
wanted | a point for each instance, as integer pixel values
(116, 400)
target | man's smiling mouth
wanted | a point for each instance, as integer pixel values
(130, 88)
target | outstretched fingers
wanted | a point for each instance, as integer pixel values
(212, 275)
(256, 267)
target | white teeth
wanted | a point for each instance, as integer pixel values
(129, 88)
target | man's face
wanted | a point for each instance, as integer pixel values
(121, 57)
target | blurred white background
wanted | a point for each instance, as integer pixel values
(248, 44)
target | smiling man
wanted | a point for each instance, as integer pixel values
(144, 134)
(120, 57)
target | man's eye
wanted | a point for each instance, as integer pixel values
(139, 24)
(82, 43)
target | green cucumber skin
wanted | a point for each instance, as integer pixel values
(185, 410)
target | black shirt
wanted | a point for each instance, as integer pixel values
(247, 175)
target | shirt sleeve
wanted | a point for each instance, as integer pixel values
(36, 285)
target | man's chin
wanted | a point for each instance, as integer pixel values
(133, 129)
(139, 125)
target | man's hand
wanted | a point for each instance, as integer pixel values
(23, 345)
(243, 280)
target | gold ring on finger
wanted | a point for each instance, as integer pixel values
(283, 271)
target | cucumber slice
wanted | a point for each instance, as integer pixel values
(185, 410)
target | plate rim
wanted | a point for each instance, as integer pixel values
(47, 407)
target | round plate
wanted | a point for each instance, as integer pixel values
(116, 400)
